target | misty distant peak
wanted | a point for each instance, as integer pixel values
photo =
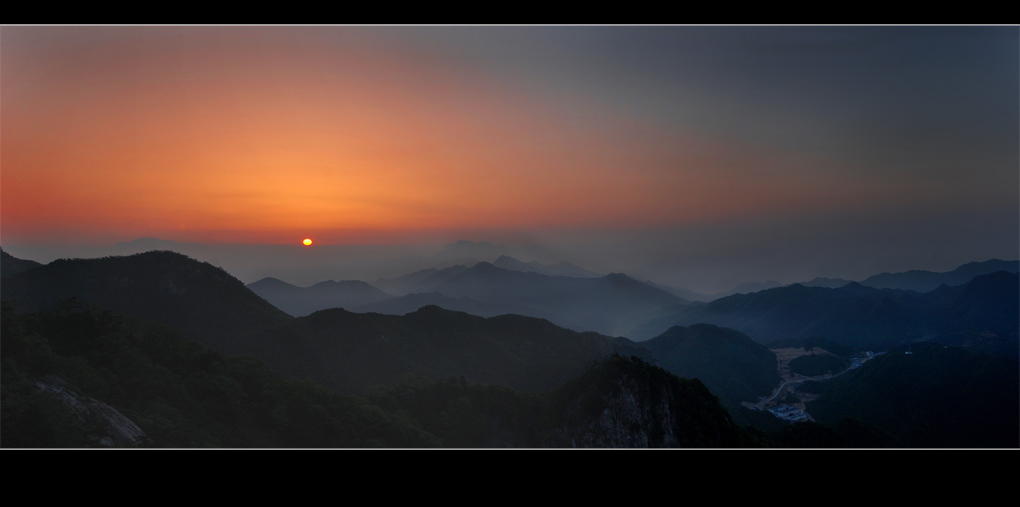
(620, 279)
(270, 282)
(483, 250)
(829, 283)
(299, 301)
(925, 281)
(562, 268)
(486, 267)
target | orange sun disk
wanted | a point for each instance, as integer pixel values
(307, 242)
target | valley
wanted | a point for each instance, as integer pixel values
(792, 406)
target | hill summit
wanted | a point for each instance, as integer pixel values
(162, 286)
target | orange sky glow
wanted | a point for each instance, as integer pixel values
(264, 136)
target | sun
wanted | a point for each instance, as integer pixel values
(307, 242)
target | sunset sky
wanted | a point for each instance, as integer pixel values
(675, 144)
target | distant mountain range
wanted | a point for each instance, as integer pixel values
(915, 280)
(564, 268)
(608, 304)
(858, 316)
(301, 301)
(406, 304)
(925, 281)
(419, 281)
(483, 250)
(423, 280)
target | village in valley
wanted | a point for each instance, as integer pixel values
(786, 402)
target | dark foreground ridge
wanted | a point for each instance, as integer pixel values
(78, 377)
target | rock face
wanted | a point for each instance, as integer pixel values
(625, 402)
(107, 426)
(625, 420)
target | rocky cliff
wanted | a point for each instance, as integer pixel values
(106, 427)
(625, 402)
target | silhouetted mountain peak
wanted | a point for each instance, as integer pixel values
(11, 265)
(829, 283)
(702, 331)
(488, 269)
(271, 282)
(163, 286)
(997, 264)
(429, 310)
(163, 269)
(563, 268)
(925, 281)
(622, 280)
(857, 288)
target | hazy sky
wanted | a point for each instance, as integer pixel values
(682, 151)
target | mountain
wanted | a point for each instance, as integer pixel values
(11, 265)
(924, 281)
(626, 402)
(933, 396)
(483, 250)
(829, 283)
(88, 377)
(301, 301)
(682, 293)
(562, 269)
(607, 305)
(985, 303)
(730, 364)
(747, 288)
(412, 302)
(858, 316)
(421, 281)
(351, 351)
(215, 308)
